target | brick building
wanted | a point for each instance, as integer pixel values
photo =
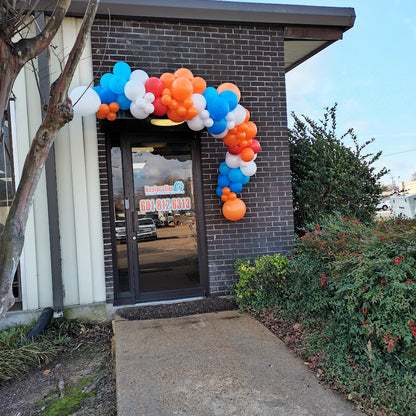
(100, 253)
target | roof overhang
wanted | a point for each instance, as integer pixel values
(307, 29)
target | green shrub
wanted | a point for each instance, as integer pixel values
(260, 282)
(357, 284)
(330, 173)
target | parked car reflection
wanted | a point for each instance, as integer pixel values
(120, 228)
(147, 229)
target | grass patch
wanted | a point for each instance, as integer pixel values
(17, 355)
(72, 400)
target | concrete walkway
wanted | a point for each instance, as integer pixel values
(216, 364)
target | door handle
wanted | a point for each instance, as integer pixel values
(134, 237)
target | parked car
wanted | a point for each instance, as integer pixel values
(147, 229)
(384, 205)
(120, 228)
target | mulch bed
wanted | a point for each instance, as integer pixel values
(174, 310)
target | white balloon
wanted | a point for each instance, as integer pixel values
(250, 169)
(239, 114)
(230, 125)
(139, 75)
(196, 124)
(232, 161)
(149, 97)
(85, 101)
(209, 122)
(149, 108)
(221, 135)
(140, 102)
(134, 89)
(199, 102)
(137, 112)
(204, 114)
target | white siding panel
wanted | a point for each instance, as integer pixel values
(79, 194)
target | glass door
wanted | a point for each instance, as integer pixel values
(156, 224)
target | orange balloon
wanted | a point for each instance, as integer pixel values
(247, 154)
(192, 112)
(111, 116)
(231, 139)
(114, 107)
(167, 79)
(247, 115)
(226, 190)
(166, 99)
(251, 130)
(174, 105)
(104, 108)
(101, 115)
(224, 198)
(230, 87)
(184, 73)
(199, 85)
(181, 88)
(181, 110)
(188, 103)
(174, 116)
(234, 209)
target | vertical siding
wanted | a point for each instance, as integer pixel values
(78, 190)
(35, 261)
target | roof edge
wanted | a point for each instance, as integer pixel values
(227, 11)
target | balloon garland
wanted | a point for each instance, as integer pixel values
(183, 98)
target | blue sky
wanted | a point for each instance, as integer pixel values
(371, 74)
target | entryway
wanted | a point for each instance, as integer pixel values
(157, 213)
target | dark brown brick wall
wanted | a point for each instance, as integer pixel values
(252, 57)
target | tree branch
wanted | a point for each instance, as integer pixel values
(29, 48)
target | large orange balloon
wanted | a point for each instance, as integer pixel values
(199, 85)
(167, 78)
(234, 209)
(230, 87)
(184, 73)
(181, 88)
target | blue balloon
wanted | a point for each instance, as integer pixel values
(218, 127)
(231, 98)
(224, 169)
(105, 80)
(236, 187)
(98, 89)
(117, 84)
(235, 175)
(123, 102)
(107, 96)
(210, 93)
(219, 191)
(245, 179)
(218, 108)
(223, 180)
(122, 69)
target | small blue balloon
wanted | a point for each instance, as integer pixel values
(122, 69)
(105, 80)
(210, 93)
(218, 127)
(218, 108)
(231, 98)
(219, 191)
(223, 180)
(107, 96)
(123, 102)
(236, 187)
(245, 179)
(235, 175)
(117, 84)
(224, 169)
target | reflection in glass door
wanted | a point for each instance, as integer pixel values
(155, 223)
(166, 224)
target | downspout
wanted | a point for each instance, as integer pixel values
(51, 187)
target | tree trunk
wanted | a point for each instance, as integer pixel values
(58, 113)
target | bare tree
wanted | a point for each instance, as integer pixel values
(13, 56)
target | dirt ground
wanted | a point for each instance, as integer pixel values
(84, 368)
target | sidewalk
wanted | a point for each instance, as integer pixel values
(215, 364)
